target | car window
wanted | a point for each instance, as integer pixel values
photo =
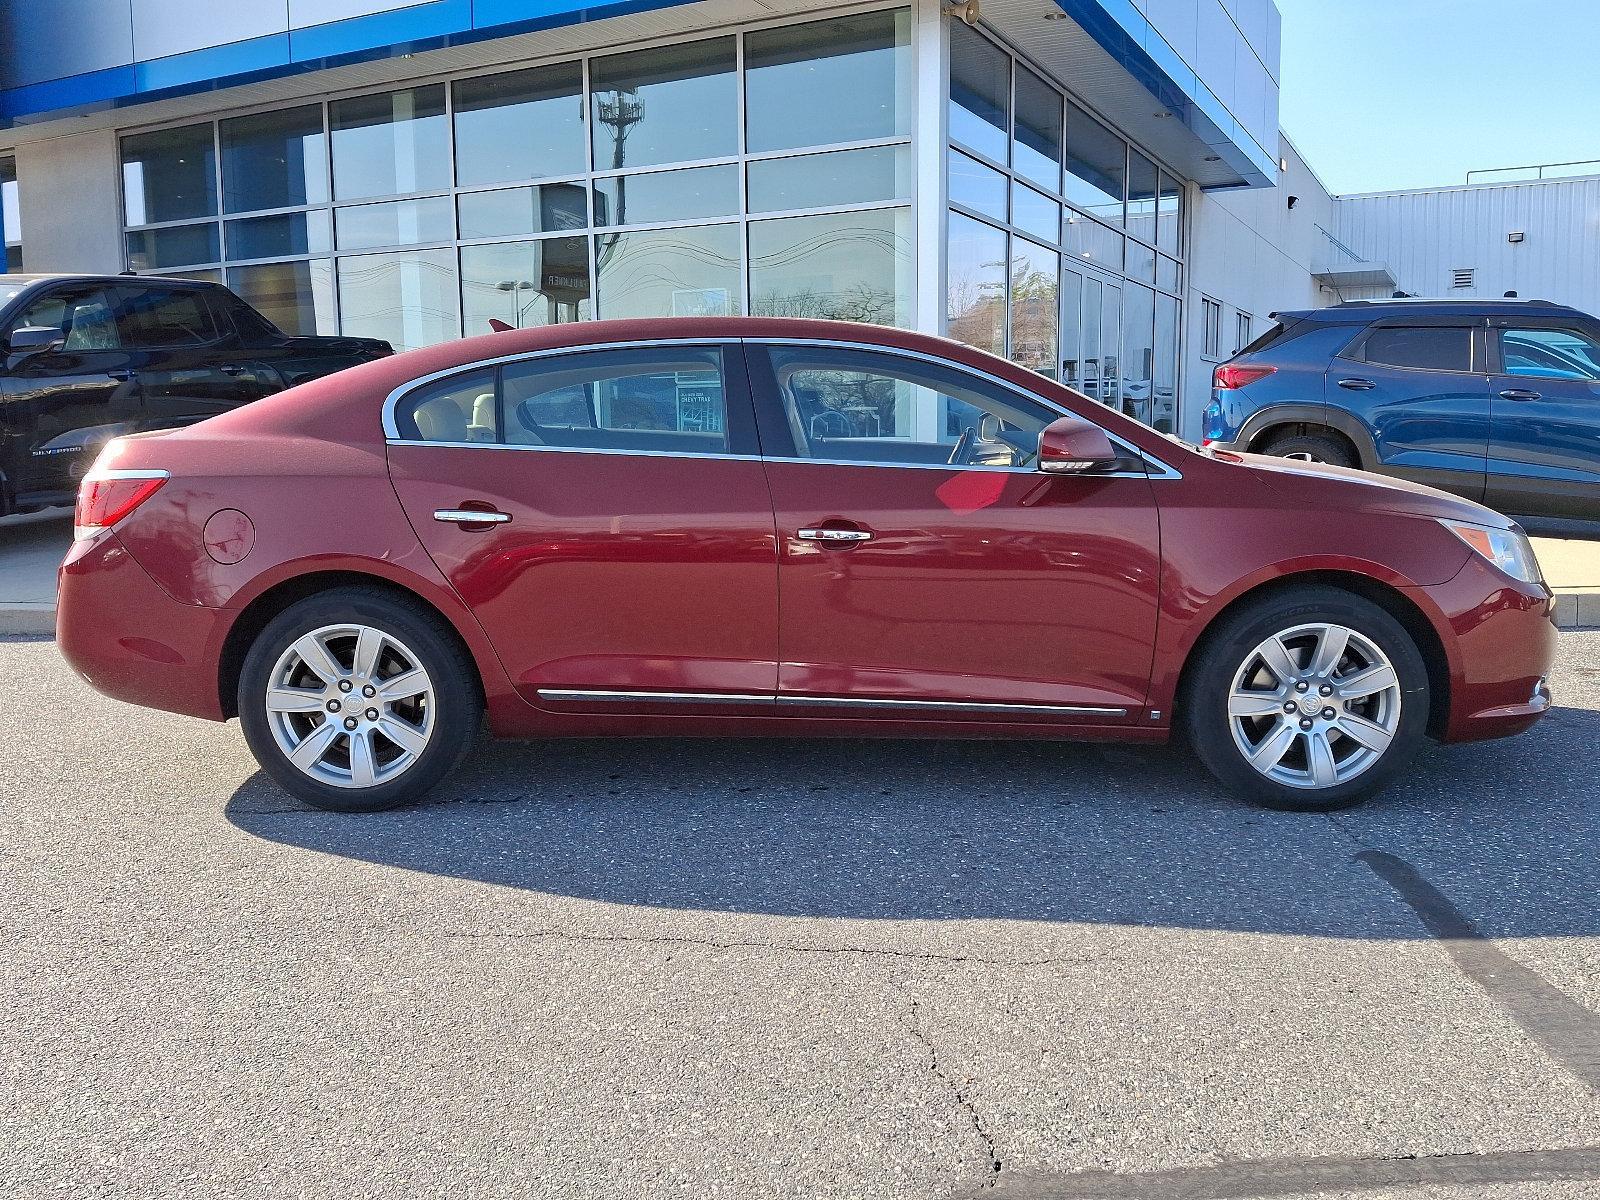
(1550, 353)
(85, 316)
(156, 319)
(868, 406)
(1429, 347)
(663, 399)
(458, 408)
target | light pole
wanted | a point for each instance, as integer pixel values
(511, 287)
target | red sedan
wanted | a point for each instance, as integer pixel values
(750, 526)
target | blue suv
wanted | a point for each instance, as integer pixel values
(1495, 400)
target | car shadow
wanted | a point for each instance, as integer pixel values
(950, 830)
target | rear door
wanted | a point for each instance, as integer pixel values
(1544, 443)
(926, 568)
(626, 558)
(190, 366)
(62, 406)
(1422, 387)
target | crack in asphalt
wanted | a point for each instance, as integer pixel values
(914, 1026)
(781, 947)
(1260, 1178)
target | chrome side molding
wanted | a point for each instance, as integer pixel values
(991, 707)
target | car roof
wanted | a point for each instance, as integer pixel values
(1361, 312)
(69, 277)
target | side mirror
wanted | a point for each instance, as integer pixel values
(1070, 445)
(36, 339)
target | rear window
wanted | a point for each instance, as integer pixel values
(1427, 347)
(1274, 334)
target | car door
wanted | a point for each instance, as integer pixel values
(926, 567)
(1422, 388)
(190, 367)
(626, 555)
(62, 405)
(1544, 439)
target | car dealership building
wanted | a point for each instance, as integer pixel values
(1094, 188)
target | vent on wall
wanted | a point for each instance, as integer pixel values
(1462, 277)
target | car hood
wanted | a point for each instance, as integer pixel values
(1345, 488)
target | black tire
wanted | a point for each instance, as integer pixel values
(1317, 447)
(457, 711)
(1205, 712)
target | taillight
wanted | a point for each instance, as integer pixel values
(105, 497)
(1237, 375)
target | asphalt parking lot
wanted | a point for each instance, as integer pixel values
(801, 969)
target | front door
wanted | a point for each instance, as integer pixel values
(925, 566)
(1423, 389)
(61, 406)
(1544, 441)
(626, 552)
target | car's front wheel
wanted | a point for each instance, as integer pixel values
(1311, 699)
(356, 700)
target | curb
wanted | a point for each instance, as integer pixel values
(1578, 610)
(27, 620)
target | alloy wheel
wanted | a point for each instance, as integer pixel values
(350, 705)
(1314, 706)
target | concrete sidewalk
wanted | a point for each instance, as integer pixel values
(31, 547)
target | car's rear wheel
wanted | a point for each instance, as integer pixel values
(1311, 447)
(356, 700)
(1311, 700)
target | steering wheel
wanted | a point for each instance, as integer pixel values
(961, 453)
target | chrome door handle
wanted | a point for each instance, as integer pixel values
(842, 537)
(468, 516)
(1518, 394)
(1357, 385)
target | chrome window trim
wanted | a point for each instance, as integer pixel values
(1156, 467)
(789, 699)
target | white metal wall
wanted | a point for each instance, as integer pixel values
(1426, 235)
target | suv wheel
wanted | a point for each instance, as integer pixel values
(1311, 447)
(354, 700)
(1310, 700)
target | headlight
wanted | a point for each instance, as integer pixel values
(1507, 549)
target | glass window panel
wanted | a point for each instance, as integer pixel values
(515, 212)
(525, 284)
(1141, 261)
(1138, 351)
(10, 218)
(1035, 213)
(85, 314)
(1036, 144)
(151, 318)
(274, 160)
(660, 399)
(862, 406)
(846, 79)
(1169, 214)
(520, 125)
(457, 408)
(1142, 190)
(842, 177)
(1035, 306)
(1164, 396)
(390, 144)
(297, 297)
(670, 273)
(1096, 167)
(667, 196)
(280, 236)
(975, 287)
(853, 266)
(1071, 340)
(407, 299)
(980, 92)
(670, 104)
(170, 175)
(1091, 242)
(398, 223)
(976, 186)
(174, 246)
(1550, 353)
(1110, 344)
(1167, 274)
(1435, 348)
